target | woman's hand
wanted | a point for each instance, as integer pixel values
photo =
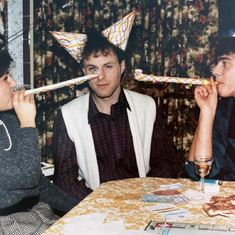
(207, 97)
(25, 109)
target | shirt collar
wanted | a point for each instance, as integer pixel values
(93, 110)
(123, 99)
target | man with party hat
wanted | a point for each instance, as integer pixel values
(109, 133)
(117, 34)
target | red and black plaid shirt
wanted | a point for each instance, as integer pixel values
(114, 149)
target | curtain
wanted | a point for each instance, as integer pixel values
(169, 38)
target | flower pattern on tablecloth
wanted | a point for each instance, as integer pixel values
(121, 199)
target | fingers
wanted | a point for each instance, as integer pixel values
(213, 85)
(20, 96)
(203, 90)
(207, 89)
(25, 108)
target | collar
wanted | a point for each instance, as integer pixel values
(93, 110)
(231, 125)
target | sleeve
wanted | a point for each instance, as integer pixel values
(220, 166)
(30, 155)
(163, 162)
(54, 197)
(65, 161)
(21, 163)
(190, 170)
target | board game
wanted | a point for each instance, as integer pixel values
(180, 228)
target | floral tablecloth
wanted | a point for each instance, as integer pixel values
(122, 200)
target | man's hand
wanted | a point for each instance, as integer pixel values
(207, 97)
(25, 109)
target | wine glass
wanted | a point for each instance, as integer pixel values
(203, 166)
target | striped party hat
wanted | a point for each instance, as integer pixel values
(117, 34)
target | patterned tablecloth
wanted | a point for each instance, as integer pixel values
(121, 199)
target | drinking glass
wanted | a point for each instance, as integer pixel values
(203, 166)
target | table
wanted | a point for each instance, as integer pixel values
(121, 199)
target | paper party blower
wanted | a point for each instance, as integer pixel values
(55, 86)
(151, 78)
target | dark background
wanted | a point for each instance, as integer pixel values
(226, 18)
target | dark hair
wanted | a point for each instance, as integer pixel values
(5, 61)
(97, 43)
(225, 46)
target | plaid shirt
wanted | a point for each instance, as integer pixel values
(114, 149)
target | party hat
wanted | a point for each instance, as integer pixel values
(117, 34)
(72, 42)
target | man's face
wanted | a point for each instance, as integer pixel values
(225, 75)
(107, 84)
(7, 83)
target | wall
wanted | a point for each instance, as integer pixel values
(19, 35)
(15, 42)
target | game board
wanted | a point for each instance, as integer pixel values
(177, 228)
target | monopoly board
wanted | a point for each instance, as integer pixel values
(177, 228)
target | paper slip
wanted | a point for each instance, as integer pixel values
(93, 224)
(163, 199)
(196, 196)
(172, 186)
(178, 214)
(180, 199)
(170, 211)
(90, 222)
(166, 192)
(164, 207)
(153, 198)
(211, 188)
(148, 189)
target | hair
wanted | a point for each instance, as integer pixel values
(225, 46)
(5, 61)
(97, 43)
